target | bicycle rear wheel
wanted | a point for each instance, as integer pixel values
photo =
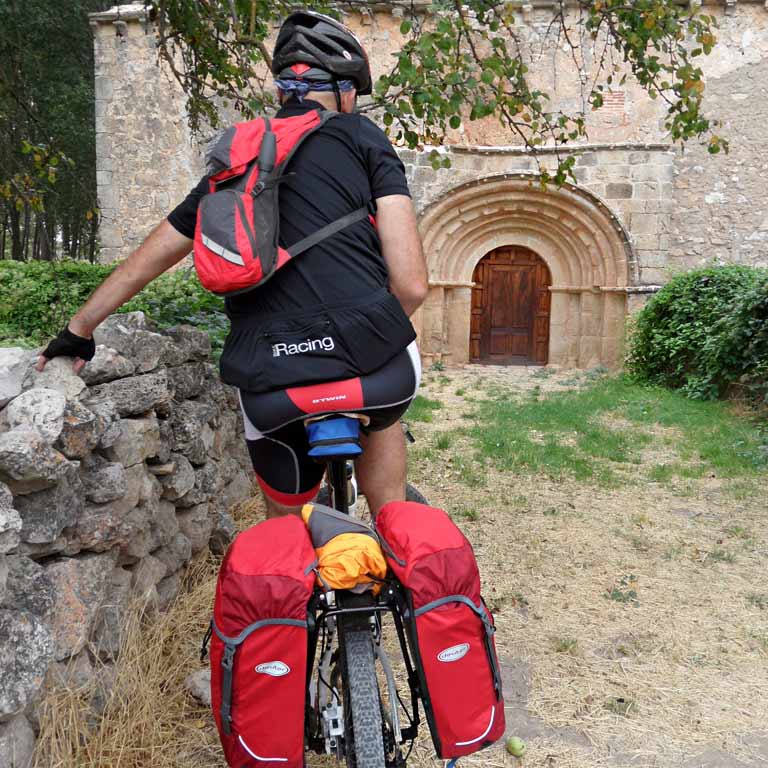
(362, 707)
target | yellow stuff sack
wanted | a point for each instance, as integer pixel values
(348, 551)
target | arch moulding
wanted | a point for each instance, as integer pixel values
(583, 243)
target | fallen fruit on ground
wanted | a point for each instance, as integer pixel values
(515, 746)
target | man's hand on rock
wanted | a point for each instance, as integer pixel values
(68, 344)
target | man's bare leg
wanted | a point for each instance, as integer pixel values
(381, 468)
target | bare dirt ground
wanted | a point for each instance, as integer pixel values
(632, 621)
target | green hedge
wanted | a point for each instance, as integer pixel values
(706, 333)
(38, 297)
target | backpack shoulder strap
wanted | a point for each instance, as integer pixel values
(324, 118)
(328, 230)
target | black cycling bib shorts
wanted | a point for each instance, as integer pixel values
(276, 435)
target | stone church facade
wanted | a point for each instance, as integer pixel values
(518, 274)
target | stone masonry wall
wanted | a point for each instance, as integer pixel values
(708, 209)
(109, 484)
(146, 159)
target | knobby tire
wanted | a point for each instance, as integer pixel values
(365, 748)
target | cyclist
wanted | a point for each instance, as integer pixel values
(330, 330)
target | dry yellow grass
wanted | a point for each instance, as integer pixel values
(674, 678)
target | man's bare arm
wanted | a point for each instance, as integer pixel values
(401, 248)
(162, 248)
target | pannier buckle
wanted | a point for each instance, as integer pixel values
(258, 188)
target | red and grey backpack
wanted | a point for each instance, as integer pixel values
(238, 222)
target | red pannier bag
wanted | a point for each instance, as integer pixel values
(238, 222)
(259, 644)
(450, 630)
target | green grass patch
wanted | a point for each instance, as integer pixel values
(569, 434)
(421, 409)
(443, 442)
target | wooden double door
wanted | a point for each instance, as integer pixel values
(510, 308)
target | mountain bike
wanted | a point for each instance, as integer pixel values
(347, 716)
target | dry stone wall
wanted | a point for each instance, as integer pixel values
(109, 483)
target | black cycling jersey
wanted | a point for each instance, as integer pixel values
(327, 314)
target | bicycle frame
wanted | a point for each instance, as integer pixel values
(364, 609)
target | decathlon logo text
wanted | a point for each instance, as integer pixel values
(273, 668)
(326, 344)
(454, 653)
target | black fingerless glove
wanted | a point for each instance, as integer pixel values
(68, 344)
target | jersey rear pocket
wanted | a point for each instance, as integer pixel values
(286, 353)
(374, 333)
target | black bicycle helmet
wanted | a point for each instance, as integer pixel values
(319, 41)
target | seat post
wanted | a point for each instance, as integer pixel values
(337, 477)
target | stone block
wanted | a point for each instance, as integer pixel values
(644, 224)
(181, 480)
(45, 514)
(28, 463)
(57, 375)
(187, 380)
(107, 365)
(167, 590)
(17, 743)
(10, 522)
(110, 427)
(28, 588)
(587, 159)
(41, 409)
(203, 488)
(223, 530)
(26, 650)
(647, 190)
(198, 684)
(136, 395)
(196, 524)
(146, 575)
(618, 191)
(14, 365)
(101, 527)
(110, 617)
(118, 332)
(195, 343)
(176, 554)
(646, 243)
(80, 585)
(163, 524)
(81, 432)
(103, 481)
(139, 440)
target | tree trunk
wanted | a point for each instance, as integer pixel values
(16, 249)
(92, 236)
(25, 236)
(3, 232)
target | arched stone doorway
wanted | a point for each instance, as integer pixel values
(581, 241)
(510, 308)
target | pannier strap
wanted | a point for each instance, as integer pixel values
(228, 662)
(227, 667)
(480, 611)
(253, 627)
(390, 552)
(328, 230)
(490, 631)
